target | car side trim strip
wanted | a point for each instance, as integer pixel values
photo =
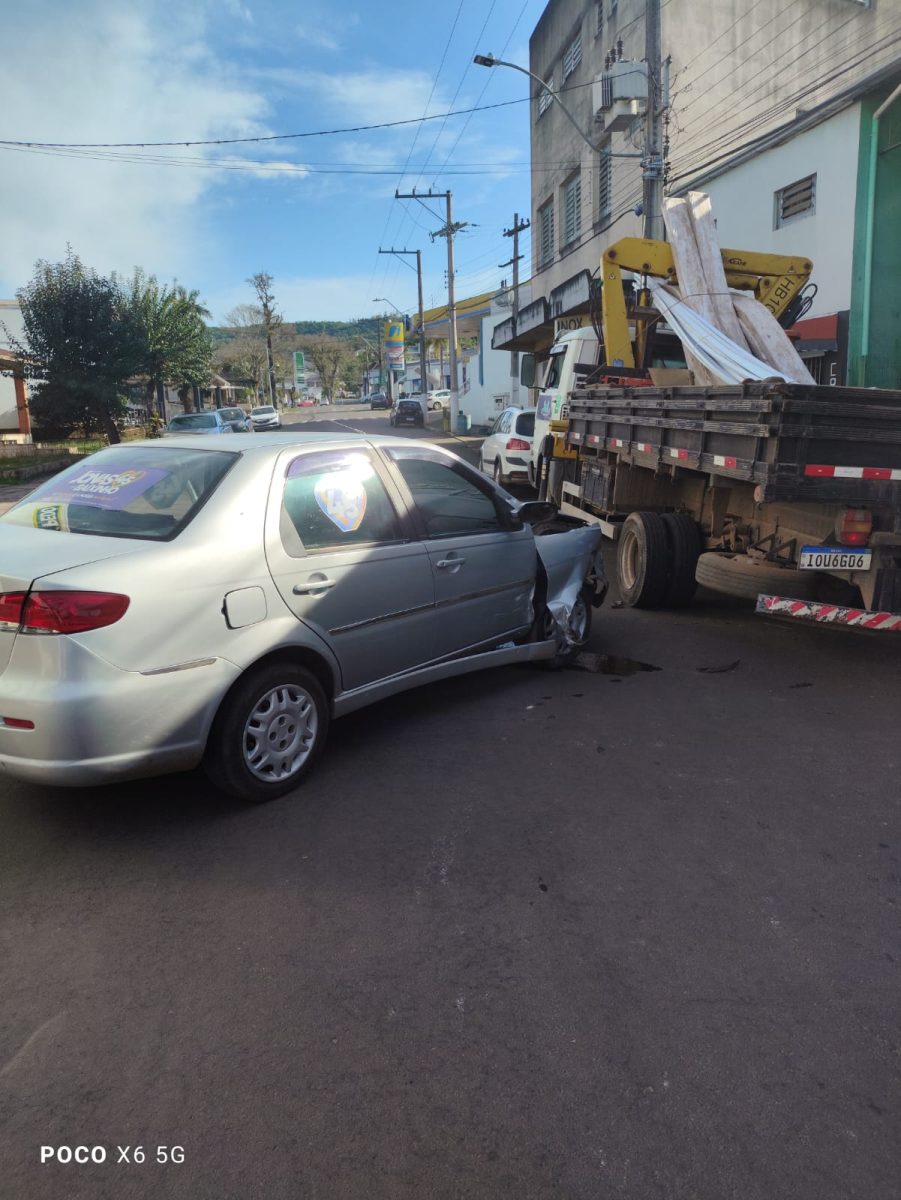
(187, 666)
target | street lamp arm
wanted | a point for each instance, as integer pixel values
(488, 60)
(385, 300)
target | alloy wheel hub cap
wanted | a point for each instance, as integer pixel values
(280, 733)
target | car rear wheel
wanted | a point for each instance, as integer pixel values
(268, 732)
(498, 473)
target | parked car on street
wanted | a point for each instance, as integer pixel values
(378, 400)
(506, 450)
(439, 399)
(200, 422)
(165, 604)
(238, 419)
(265, 417)
(407, 412)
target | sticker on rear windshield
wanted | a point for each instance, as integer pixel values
(105, 489)
(51, 516)
(342, 497)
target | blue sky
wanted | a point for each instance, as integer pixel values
(90, 71)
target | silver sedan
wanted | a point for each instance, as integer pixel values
(169, 603)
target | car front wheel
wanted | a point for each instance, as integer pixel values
(268, 732)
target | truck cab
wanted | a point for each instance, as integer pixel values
(573, 354)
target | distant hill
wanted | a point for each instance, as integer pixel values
(367, 327)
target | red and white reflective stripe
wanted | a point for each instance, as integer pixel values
(675, 452)
(723, 460)
(828, 614)
(824, 471)
(645, 447)
(616, 443)
(593, 438)
(575, 437)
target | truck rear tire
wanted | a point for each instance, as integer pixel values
(685, 549)
(739, 575)
(643, 560)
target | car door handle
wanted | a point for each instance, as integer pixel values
(445, 564)
(314, 585)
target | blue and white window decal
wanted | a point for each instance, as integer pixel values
(342, 497)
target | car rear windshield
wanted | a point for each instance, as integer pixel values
(193, 421)
(525, 424)
(127, 491)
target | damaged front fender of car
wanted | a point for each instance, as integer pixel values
(574, 567)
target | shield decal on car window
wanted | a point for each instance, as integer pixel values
(342, 497)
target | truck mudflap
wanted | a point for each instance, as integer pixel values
(828, 614)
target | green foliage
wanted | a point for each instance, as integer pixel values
(175, 345)
(85, 335)
(81, 346)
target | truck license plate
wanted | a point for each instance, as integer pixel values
(832, 558)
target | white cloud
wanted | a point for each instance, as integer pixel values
(115, 74)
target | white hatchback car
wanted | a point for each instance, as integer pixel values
(506, 451)
(439, 399)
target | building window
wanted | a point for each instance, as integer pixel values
(545, 99)
(546, 234)
(605, 186)
(795, 201)
(572, 209)
(572, 56)
(599, 18)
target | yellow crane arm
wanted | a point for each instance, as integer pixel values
(775, 280)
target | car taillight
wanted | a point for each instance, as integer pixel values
(854, 526)
(16, 723)
(61, 612)
(517, 444)
(11, 605)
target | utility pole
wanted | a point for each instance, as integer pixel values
(652, 189)
(423, 373)
(448, 231)
(518, 227)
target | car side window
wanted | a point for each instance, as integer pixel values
(449, 501)
(332, 499)
(507, 421)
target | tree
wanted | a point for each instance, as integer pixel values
(244, 358)
(174, 341)
(333, 358)
(81, 345)
(262, 285)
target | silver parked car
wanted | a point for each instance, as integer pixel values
(199, 422)
(168, 603)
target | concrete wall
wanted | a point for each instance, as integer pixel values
(744, 205)
(741, 69)
(557, 149)
(738, 69)
(11, 318)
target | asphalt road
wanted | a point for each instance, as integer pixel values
(587, 934)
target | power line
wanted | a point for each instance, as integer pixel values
(737, 133)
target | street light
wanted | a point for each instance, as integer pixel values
(488, 60)
(384, 300)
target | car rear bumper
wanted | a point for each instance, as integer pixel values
(95, 724)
